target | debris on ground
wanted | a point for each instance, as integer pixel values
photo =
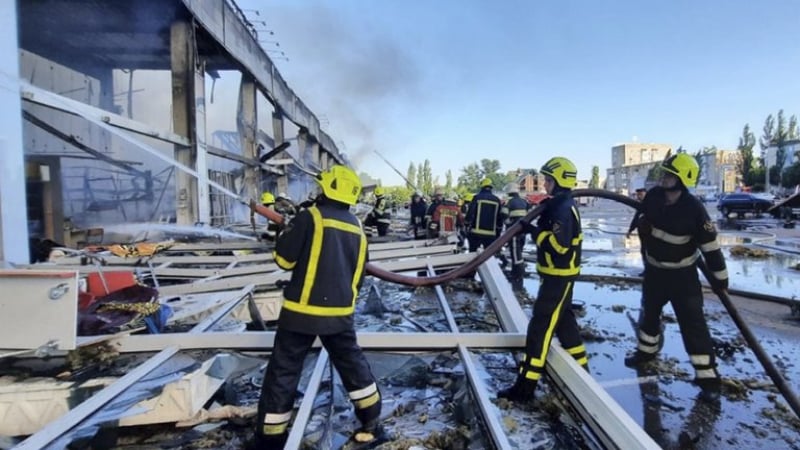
(749, 252)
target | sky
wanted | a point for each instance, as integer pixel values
(457, 81)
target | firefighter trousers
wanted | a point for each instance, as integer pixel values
(279, 387)
(682, 288)
(552, 315)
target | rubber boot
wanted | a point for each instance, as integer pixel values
(268, 441)
(521, 391)
(638, 357)
(710, 389)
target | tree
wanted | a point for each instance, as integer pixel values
(448, 184)
(781, 136)
(427, 178)
(411, 174)
(791, 175)
(594, 182)
(791, 130)
(470, 178)
(744, 164)
(491, 170)
(768, 135)
(420, 181)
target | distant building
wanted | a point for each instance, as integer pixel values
(630, 163)
(529, 180)
(718, 172)
(792, 148)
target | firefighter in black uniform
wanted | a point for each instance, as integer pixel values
(676, 230)
(325, 249)
(515, 208)
(418, 208)
(436, 200)
(484, 219)
(380, 216)
(558, 239)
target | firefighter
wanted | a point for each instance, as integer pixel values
(446, 219)
(514, 209)
(677, 230)
(325, 249)
(641, 192)
(418, 208)
(380, 216)
(558, 239)
(284, 205)
(268, 201)
(484, 220)
(463, 234)
(438, 198)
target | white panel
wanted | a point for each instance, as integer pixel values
(37, 307)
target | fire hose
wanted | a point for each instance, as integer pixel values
(497, 245)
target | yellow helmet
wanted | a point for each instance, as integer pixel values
(486, 182)
(267, 198)
(468, 196)
(340, 183)
(562, 171)
(684, 167)
(379, 191)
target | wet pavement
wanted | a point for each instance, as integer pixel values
(427, 403)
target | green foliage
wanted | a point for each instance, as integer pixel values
(791, 175)
(470, 178)
(745, 163)
(411, 174)
(594, 182)
(448, 184)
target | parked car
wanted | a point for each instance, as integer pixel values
(741, 203)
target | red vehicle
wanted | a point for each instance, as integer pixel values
(536, 197)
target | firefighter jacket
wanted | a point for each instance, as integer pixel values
(675, 235)
(418, 210)
(515, 208)
(381, 211)
(325, 249)
(435, 202)
(558, 238)
(447, 217)
(484, 217)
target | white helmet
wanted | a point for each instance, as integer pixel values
(512, 188)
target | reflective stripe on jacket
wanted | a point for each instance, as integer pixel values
(326, 250)
(559, 239)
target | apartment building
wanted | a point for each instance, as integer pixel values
(630, 163)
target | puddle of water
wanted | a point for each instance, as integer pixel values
(667, 406)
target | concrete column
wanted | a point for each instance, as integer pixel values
(314, 151)
(13, 209)
(188, 118)
(249, 126)
(278, 135)
(302, 146)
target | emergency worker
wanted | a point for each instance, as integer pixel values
(677, 231)
(380, 216)
(484, 219)
(641, 192)
(268, 201)
(558, 238)
(285, 205)
(446, 219)
(463, 235)
(418, 208)
(514, 209)
(438, 198)
(325, 249)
